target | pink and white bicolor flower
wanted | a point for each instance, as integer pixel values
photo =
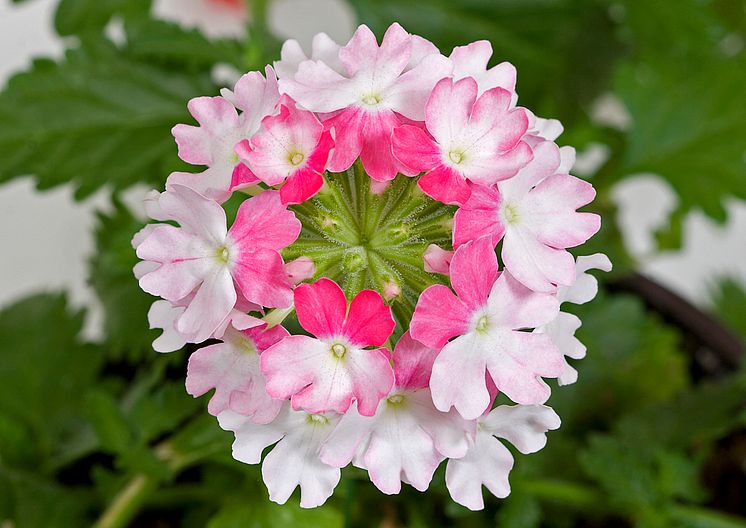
(470, 139)
(329, 372)
(232, 369)
(534, 213)
(486, 319)
(292, 148)
(294, 460)
(562, 329)
(408, 437)
(212, 143)
(488, 462)
(205, 259)
(381, 87)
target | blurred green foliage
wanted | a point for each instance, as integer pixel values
(104, 432)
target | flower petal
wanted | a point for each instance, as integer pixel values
(369, 321)
(439, 316)
(321, 307)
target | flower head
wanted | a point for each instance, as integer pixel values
(371, 190)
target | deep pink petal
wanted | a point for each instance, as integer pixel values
(413, 363)
(301, 186)
(321, 307)
(369, 321)
(242, 177)
(413, 147)
(445, 185)
(474, 271)
(347, 127)
(439, 316)
(263, 222)
(261, 277)
(376, 155)
(478, 217)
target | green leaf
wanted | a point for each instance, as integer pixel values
(82, 16)
(169, 44)
(688, 127)
(111, 427)
(519, 510)
(98, 117)
(44, 374)
(125, 305)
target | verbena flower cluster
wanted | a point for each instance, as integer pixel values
(356, 303)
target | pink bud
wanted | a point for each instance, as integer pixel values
(391, 290)
(300, 269)
(437, 260)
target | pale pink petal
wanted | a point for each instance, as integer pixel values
(550, 208)
(214, 300)
(257, 97)
(294, 462)
(261, 277)
(487, 463)
(413, 147)
(490, 169)
(369, 321)
(473, 272)
(545, 161)
(318, 88)
(216, 117)
(413, 363)
(567, 157)
(437, 260)
(445, 185)
(409, 93)
(518, 360)
(291, 55)
(439, 316)
(196, 214)
(536, 265)
(163, 315)
(251, 438)
(321, 307)
(524, 426)
(263, 222)
(449, 107)
(478, 217)
(511, 305)
(348, 436)
(585, 287)
(451, 434)
(458, 377)
(371, 376)
(385, 63)
(213, 183)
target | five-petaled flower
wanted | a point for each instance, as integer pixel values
(328, 372)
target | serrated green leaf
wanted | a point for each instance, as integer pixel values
(688, 127)
(98, 117)
(45, 372)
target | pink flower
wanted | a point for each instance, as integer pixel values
(488, 461)
(471, 61)
(300, 269)
(408, 437)
(381, 87)
(534, 213)
(232, 369)
(294, 460)
(220, 128)
(327, 373)
(562, 329)
(204, 258)
(470, 139)
(486, 318)
(291, 147)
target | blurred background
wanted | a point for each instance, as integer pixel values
(95, 427)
